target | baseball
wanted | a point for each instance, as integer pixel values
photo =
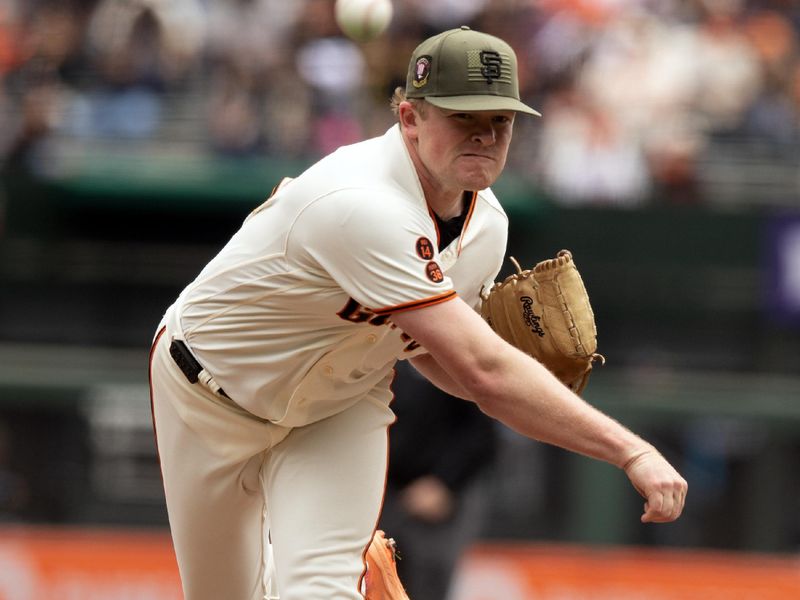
(363, 20)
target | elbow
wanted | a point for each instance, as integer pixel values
(484, 379)
(479, 388)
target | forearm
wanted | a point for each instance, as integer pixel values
(433, 372)
(557, 416)
(529, 399)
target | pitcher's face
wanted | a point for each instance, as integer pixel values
(461, 150)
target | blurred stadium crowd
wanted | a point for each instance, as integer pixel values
(635, 93)
(644, 103)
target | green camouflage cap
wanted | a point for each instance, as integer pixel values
(467, 70)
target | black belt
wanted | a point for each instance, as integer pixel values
(187, 363)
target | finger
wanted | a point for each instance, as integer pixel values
(656, 517)
(660, 508)
(671, 506)
(653, 508)
(668, 506)
(680, 504)
(679, 500)
(684, 492)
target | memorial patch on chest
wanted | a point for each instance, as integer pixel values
(434, 272)
(424, 248)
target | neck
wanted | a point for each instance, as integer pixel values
(449, 208)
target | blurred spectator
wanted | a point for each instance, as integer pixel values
(637, 92)
(252, 35)
(287, 113)
(255, 98)
(234, 119)
(10, 51)
(586, 157)
(45, 48)
(774, 113)
(447, 14)
(153, 39)
(642, 76)
(334, 68)
(672, 149)
(139, 49)
(10, 56)
(729, 69)
(38, 113)
(51, 41)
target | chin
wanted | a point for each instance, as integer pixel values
(478, 182)
(480, 177)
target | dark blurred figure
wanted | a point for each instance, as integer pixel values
(14, 489)
(438, 449)
(44, 464)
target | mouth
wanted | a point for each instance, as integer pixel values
(481, 156)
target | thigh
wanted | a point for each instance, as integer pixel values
(325, 484)
(215, 504)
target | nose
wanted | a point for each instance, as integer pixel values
(484, 134)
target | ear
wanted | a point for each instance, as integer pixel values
(408, 118)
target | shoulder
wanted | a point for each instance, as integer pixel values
(373, 216)
(489, 215)
(368, 161)
(367, 167)
(488, 200)
(368, 202)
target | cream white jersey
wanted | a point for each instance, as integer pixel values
(293, 316)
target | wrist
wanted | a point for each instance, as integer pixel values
(636, 454)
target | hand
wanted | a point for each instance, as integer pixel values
(659, 483)
(428, 499)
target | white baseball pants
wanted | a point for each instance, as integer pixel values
(233, 482)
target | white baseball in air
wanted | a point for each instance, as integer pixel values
(363, 20)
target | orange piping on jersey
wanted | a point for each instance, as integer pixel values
(472, 204)
(152, 403)
(385, 484)
(435, 225)
(416, 304)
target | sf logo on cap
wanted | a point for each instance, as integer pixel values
(422, 69)
(491, 62)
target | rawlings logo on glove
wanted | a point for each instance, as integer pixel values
(531, 320)
(545, 312)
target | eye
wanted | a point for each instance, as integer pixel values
(502, 119)
(462, 116)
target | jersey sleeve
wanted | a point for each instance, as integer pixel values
(381, 252)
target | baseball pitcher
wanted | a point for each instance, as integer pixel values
(270, 374)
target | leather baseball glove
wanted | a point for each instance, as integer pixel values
(382, 582)
(545, 312)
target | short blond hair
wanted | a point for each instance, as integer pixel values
(399, 96)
